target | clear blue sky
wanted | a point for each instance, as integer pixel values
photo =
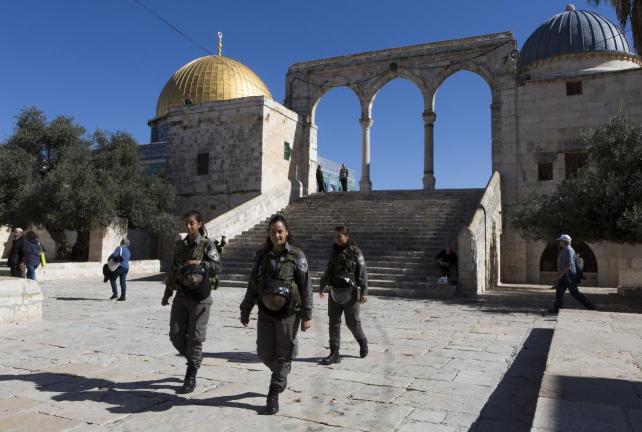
(105, 62)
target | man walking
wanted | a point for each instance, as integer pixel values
(567, 276)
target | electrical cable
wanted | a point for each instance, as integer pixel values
(177, 30)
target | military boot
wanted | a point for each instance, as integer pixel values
(272, 403)
(190, 381)
(334, 357)
(363, 347)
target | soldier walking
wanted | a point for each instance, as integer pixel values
(193, 276)
(280, 286)
(347, 278)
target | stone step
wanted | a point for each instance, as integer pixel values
(433, 291)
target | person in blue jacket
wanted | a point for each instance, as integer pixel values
(30, 254)
(122, 256)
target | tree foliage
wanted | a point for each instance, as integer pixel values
(54, 175)
(604, 201)
(627, 11)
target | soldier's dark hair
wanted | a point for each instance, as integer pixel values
(199, 218)
(342, 229)
(276, 219)
(31, 235)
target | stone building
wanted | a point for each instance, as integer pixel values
(237, 155)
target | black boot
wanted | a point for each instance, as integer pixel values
(272, 404)
(190, 381)
(363, 347)
(334, 357)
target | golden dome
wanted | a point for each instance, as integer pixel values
(207, 79)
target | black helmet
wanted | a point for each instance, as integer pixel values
(276, 295)
(342, 287)
(195, 281)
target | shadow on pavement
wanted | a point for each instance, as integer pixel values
(234, 356)
(127, 397)
(511, 407)
(80, 299)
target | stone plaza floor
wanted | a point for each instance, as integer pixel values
(98, 365)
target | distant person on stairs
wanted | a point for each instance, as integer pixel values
(347, 277)
(320, 183)
(343, 178)
(447, 262)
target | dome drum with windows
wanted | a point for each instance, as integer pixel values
(208, 79)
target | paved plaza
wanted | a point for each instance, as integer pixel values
(99, 365)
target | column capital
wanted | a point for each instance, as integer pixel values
(429, 117)
(366, 121)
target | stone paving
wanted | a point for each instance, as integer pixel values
(99, 365)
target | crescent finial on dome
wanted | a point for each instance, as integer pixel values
(220, 43)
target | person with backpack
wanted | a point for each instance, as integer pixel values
(120, 257)
(567, 269)
(280, 285)
(347, 278)
(193, 276)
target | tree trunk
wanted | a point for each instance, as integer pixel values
(80, 251)
(63, 250)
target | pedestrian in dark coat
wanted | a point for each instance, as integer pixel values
(15, 258)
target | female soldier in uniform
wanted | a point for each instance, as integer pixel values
(347, 278)
(279, 284)
(193, 276)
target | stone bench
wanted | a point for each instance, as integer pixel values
(20, 300)
(593, 377)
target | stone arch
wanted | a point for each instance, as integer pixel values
(426, 65)
(548, 261)
(318, 95)
(448, 71)
(380, 82)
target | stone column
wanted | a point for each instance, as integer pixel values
(365, 185)
(429, 170)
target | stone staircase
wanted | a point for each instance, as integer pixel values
(399, 232)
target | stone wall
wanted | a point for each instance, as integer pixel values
(20, 300)
(550, 124)
(103, 241)
(92, 270)
(479, 243)
(245, 216)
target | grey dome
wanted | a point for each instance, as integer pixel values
(572, 32)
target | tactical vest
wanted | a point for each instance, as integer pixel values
(198, 254)
(284, 272)
(349, 265)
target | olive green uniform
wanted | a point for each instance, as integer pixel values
(345, 259)
(276, 340)
(189, 315)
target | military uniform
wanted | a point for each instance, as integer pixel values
(349, 260)
(190, 313)
(277, 331)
